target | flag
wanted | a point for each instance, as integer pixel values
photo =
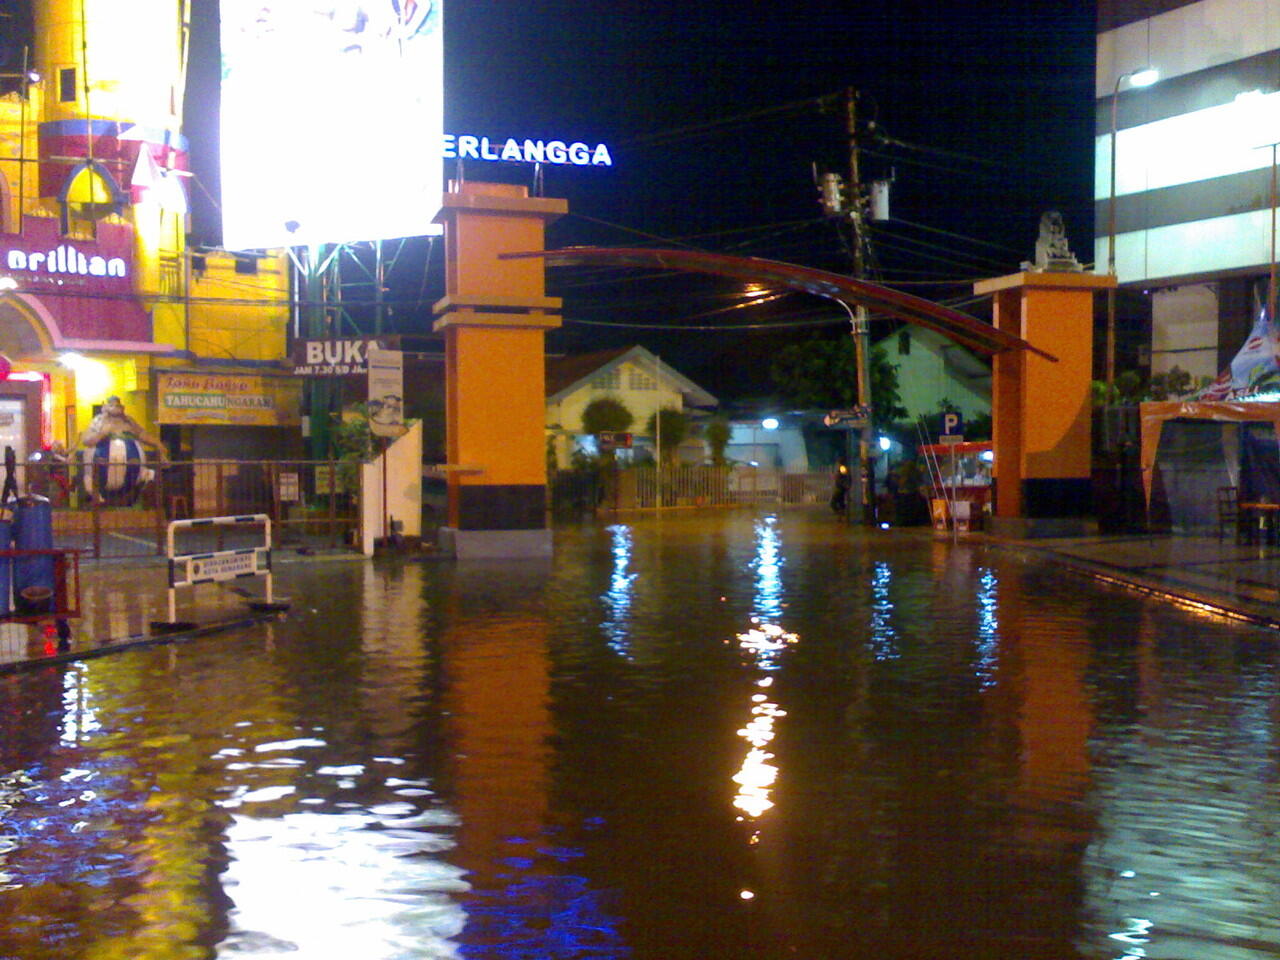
(1254, 369)
(146, 174)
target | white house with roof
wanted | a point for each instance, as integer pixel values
(641, 381)
(933, 369)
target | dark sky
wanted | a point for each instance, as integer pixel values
(712, 112)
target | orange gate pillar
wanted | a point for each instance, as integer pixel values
(1041, 423)
(494, 316)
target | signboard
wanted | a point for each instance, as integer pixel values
(327, 100)
(557, 152)
(386, 392)
(332, 358)
(74, 278)
(952, 424)
(610, 440)
(228, 400)
(225, 565)
(289, 488)
(854, 417)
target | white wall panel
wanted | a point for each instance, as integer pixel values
(1191, 38)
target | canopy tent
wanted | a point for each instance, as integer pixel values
(1237, 456)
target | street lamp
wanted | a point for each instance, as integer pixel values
(1137, 78)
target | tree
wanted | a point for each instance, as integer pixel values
(823, 375)
(716, 433)
(606, 415)
(669, 427)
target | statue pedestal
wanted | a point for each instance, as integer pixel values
(1041, 409)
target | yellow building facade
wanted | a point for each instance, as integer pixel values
(100, 293)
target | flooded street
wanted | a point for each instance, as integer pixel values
(730, 736)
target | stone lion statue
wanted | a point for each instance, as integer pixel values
(1053, 252)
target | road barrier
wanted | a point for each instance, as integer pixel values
(218, 566)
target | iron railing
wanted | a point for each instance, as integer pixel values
(122, 510)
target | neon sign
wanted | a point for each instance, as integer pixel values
(66, 259)
(467, 147)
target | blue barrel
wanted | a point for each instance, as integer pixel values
(33, 577)
(6, 574)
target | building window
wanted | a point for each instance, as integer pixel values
(638, 380)
(247, 265)
(612, 380)
(904, 343)
(67, 85)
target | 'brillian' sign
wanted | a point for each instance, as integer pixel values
(65, 259)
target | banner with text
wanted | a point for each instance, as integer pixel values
(240, 400)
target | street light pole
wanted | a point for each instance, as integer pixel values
(1137, 78)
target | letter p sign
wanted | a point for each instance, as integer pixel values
(952, 425)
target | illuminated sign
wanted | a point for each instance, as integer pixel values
(66, 259)
(331, 119)
(244, 400)
(465, 147)
(331, 358)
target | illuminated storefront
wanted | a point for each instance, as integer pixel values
(100, 294)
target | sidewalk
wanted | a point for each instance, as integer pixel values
(1236, 580)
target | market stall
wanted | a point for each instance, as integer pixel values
(960, 481)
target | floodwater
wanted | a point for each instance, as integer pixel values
(721, 737)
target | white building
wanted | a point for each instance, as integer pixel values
(632, 375)
(1193, 155)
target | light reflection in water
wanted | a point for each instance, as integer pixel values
(341, 885)
(618, 598)
(884, 638)
(78, 718)
(764, 643)
(768, 567)
(988, 639)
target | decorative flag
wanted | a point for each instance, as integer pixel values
(1254, 369)
(146, 174)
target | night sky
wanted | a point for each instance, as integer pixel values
(714, 115)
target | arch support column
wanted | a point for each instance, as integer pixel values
(1041, 409)
(494, 317)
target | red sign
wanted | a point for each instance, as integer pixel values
(85, 286)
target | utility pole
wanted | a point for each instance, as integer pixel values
(861, 322)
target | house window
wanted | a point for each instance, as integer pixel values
(637, 380)
(247, 265)
(67, 85)
(612, 380)
(904, 343)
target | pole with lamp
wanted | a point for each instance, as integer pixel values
(1144, 77)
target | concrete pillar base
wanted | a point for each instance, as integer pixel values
(495, 544)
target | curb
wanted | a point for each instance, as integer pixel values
(136, 642)
(1188, 598)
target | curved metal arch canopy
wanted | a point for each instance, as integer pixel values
(952, 324)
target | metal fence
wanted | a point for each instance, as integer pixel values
(122, 509)
(651, 487)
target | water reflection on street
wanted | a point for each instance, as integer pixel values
(730, 735)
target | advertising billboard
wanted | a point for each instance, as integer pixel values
(331, 120)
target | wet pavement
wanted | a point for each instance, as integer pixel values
(1236, 580)
(735, 736)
